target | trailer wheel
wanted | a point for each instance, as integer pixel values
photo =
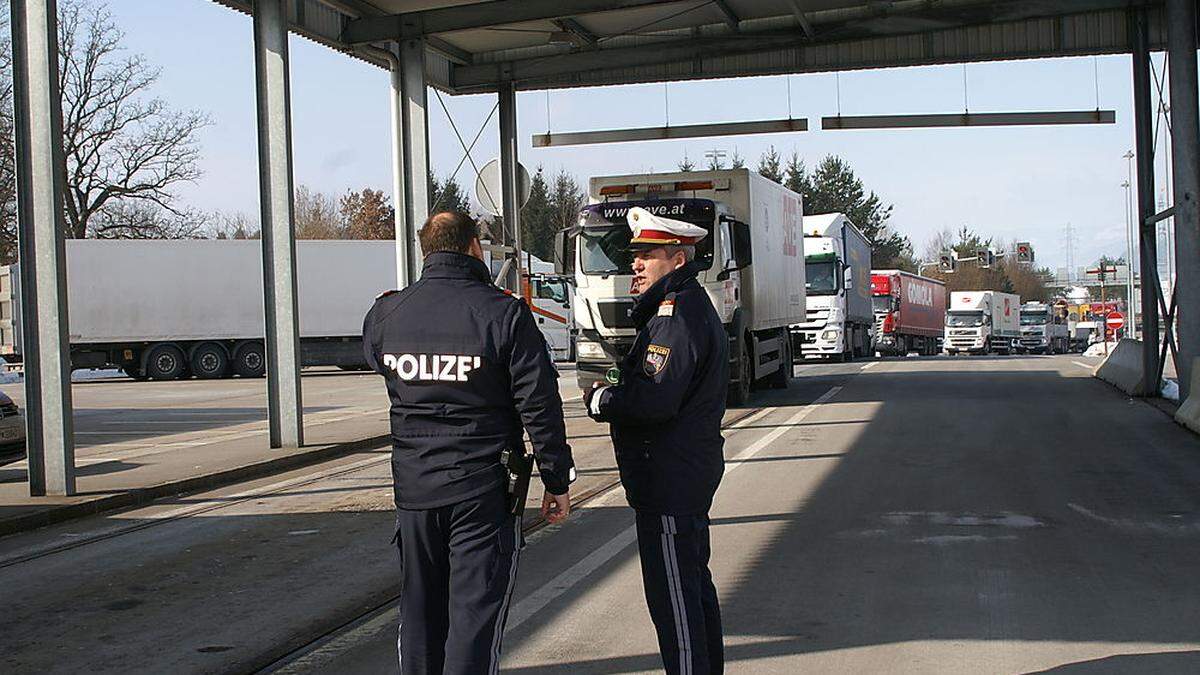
(210, 361)
(165, 362)
(250, 360)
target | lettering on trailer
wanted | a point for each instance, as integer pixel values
(431, 367)
(791, 218)
(919, 294)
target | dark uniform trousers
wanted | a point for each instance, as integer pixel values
(680, 593)
(471, 547)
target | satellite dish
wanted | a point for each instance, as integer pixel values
(488, 192)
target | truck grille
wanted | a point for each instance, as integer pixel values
(615, 313)
(8, 410)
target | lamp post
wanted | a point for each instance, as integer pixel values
(1130, 238)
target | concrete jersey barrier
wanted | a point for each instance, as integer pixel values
(1123, 367)
(1188, 413)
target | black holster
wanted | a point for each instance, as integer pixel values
(519, 466)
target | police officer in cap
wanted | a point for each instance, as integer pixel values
(468, 374)
(665, 416)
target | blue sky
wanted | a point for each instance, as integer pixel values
(1013, 183)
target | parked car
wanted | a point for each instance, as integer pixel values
(12, 428)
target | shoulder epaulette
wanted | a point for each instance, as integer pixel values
(386, 293)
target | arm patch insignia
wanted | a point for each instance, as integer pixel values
(656, 359)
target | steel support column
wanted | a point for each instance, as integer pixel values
(41, 175)
(404, 256)
(510, 181)
(1147, 232)
(285, 411)
(413, 145)
(1185, 163)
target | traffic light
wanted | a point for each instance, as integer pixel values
(985, 257)
(946, 262)
(1024, 253)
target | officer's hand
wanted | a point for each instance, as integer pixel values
(556, 507)
(588, 396)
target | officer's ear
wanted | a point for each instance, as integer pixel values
(476, 249)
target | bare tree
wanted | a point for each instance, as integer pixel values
(234, 226)
(125, 151)
(316, 215)
(8, 160)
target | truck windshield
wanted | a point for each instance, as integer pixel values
(964, 319)
(820, 278)
(605, 234)
(881, 303)
(1034, 319)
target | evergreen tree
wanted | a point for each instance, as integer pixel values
(835, 188)
(770, 165)
(795, 177)
(737, 162)
(687, 164)
(537, 218)
(447, 196)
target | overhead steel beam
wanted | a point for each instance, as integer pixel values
(1000, 119)
(665, 133)
(1185, 164)
(802, 18)
(1143, 122)
(731, 18)
(860, 31)
(478, 15)
(41, 177)
(575, 28)
(285, 410)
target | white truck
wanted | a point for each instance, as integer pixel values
(1043, 329)
(549, 298)
(982, 322)
(171, 309)
(837, 275)
(752, 267)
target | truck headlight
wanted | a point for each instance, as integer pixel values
(586, 349)
(829, 335)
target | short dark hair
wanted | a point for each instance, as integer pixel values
(448, 231)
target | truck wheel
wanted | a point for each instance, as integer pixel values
(250, 360)
(165, 362)
(780, 378)
(210, 361)
(739, 392)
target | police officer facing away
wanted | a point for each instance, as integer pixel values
(468, 372)
(665, 417)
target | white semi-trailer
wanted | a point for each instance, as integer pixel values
(171, 309)
(982, 322)
(837, 275)
(752, 260)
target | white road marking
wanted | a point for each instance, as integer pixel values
(1081, 364)
(868, 366)
(536, 601)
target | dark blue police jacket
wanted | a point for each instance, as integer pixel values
(666, 412)
(467, 371)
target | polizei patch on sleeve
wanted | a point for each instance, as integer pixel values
(656, 359)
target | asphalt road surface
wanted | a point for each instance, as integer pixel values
(993, 515)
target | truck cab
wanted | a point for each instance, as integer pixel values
(837, 273)
(749, 267)
(981, 322)
(1043, 329)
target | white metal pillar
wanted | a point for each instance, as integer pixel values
(410, 133)
(510, 181)
(285, 411)
(1185, 161)
(41, 175)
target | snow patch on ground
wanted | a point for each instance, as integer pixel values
(1098, 349)
(96, 374)
(1170, 389)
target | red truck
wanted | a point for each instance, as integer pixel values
(910, 312)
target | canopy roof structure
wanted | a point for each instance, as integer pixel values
(473, 46)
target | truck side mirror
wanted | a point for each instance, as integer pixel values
(562, 250)
(741, 244)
